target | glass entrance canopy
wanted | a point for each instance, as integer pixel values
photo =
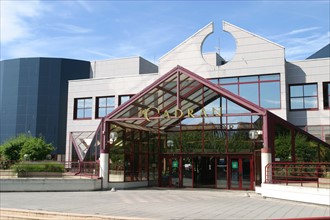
(182, 120)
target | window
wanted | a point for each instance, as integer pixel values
(123, 99)
(83, 108)
(263, 90)
(326, 95)
(303, 96)
(104, 105)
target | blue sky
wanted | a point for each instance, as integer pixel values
(97, 30)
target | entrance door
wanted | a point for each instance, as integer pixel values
(221, 163)
(241, 172)
(187, 172)
(204, 172)
(170, 172)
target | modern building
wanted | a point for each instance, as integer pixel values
(33, 97)
(198, 120)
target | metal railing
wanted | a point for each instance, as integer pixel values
(82, 168)
(303, 174)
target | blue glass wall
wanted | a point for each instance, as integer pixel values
(33, 97)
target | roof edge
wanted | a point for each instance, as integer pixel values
(225, 22)
(200, 30)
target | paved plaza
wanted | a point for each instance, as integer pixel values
(159, 203)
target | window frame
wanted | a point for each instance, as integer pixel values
(76, 108)
(259, 80)
(303, 97)
(97, 107)
(326, 95)
(119, 98)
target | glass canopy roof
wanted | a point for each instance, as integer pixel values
(176, 96)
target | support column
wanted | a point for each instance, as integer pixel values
(266, 158)
(268, 139)
(104, 167)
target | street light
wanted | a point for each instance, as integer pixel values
(113, 137)
(170, 143)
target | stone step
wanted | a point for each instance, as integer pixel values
(18, 217)
(34, 215)
(43, 215)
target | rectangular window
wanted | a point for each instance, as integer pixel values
(83, 108)
(326, 95)
(303, 96)
(263, 90)
(123, 98)
(215, 81)
(104, 105)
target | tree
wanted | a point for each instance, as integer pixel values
(22, 146)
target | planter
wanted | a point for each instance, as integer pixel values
(39, 174)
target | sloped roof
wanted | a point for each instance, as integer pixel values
(322, 53)
(178, 89)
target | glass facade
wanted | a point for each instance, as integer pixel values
(34, 97)
(183, 131)
(263, 90)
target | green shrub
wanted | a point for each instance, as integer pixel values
(38, 167)
(10, 150)
(25, 147)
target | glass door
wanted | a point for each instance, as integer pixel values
(170, 172)
(175, 172)
(221, 164)
(241, 172)
(204, 172)
(187, 172)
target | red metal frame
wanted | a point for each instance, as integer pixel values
(225, 93)
(293, 173)
(269, 119)
(169, 158)
(322, 127)
(240, 171)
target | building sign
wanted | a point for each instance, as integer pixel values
(234, 164)
(178, 113)
(175, 164)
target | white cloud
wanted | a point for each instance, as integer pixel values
(69, 28)
(301, 43)
(302, 47)
(294, 32)
(48, 47)
(85, 5)
(100, 54)
(16, 17)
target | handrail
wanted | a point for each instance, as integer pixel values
(298, 173)
(83, 168)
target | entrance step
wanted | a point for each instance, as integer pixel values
(17, 214)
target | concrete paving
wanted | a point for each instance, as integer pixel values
(159, 203)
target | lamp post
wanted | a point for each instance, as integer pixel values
(170, 143)
(113, 137)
